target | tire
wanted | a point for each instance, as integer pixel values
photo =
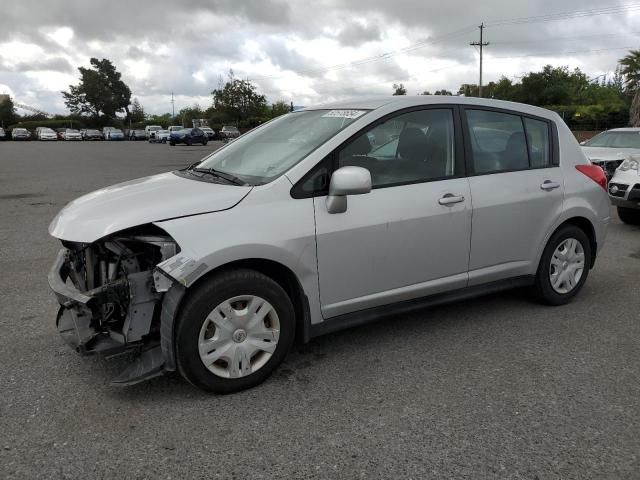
(194, 328)
(562, 294)
(630, 216)
(204, 144)
(172, 144)
(189, 142)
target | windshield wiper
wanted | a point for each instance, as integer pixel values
(224, 175)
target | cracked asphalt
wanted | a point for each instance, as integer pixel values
(496, 387)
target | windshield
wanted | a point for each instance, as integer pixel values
(230, 129)
(615, 140)
(69, 130)
(267, 152)
(153, 129)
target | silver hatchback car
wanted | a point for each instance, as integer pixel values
(322, 219)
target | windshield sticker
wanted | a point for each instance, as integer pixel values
(345, 113)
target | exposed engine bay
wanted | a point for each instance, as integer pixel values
(110, 303)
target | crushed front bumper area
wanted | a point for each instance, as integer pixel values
(79, 320)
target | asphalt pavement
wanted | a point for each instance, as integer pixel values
(496, 387)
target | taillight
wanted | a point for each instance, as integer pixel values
(595, 173)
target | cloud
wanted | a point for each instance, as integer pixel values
(307, 53)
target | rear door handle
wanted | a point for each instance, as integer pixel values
(548, 185)
(450, 199)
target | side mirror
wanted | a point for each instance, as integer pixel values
(583, 142)
(347, 181)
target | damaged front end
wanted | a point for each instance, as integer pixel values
(111, 299)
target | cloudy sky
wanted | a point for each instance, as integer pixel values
(299, 50)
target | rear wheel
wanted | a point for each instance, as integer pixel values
(204, 143)
(234, 331)
(172, 144)
(630, 216)
(189, 141)
(564, 266)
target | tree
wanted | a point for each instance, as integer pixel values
(631, 73)
(443, 92)
(101, 91)
(7, 112)
(399, 89)
(279, 108)
(137, 112)
(239, 100)
(188, 114)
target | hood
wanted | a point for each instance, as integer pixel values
(606, 153)
(136, 202)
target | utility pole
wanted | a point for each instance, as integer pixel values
(173, 109)
(480, 44)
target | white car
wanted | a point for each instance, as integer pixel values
(151, 130)
(208, 132)
(175, 128)
(624, 190)
(302, 227)
(609, 149)
(71, 134)
(47, 134)
(161, 136)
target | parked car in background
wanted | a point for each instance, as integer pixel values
(114, 134)
(3, 134)
(71, 134)
(272, 237)
(209, 132)
(609, 149)
(20, 134)
(150, 130)
(161, 136)
(106, 130)
(188, 136)
(175, 128)
(45, 133)
(137, 135)
(90, 134)
(624, 190)
(229, 132)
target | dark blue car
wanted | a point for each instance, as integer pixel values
(188, 136)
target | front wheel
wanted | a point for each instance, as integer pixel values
(204, 143)
(172, 144)
(630, 216)
(234, 331)
(564, 266)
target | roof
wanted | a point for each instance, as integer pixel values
(627, 129)
(403, 101)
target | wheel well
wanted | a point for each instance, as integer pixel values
(284, 277)
(587, 227)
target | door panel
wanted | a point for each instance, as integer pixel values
(512, 215)
(393, 244)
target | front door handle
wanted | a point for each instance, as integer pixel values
(548, 185)
(450, 199)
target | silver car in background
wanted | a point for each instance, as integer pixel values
(610, 148)
(322, 219)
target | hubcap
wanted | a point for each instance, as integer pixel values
(239, 336)
(567, 265)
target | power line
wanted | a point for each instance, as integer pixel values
(613, 10)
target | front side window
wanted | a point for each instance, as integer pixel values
(267, 152)
(412, 147)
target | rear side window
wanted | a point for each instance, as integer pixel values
(538, 141)
(504, 142)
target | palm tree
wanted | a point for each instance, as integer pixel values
(631, 71)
